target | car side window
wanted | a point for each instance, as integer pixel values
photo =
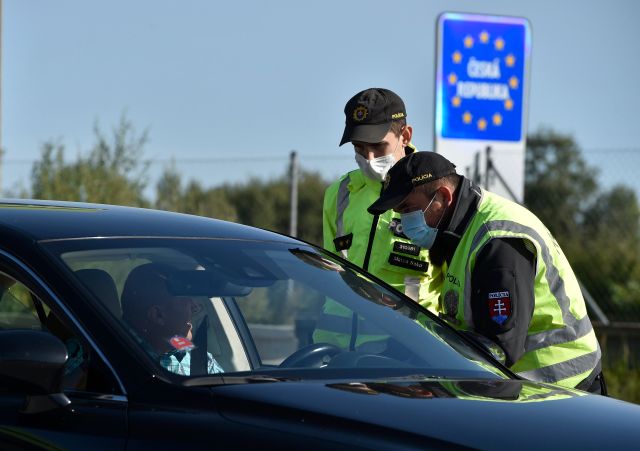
(21, 308)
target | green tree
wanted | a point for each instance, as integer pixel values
(258, 203)
(266, 204)
(310, 198)
(608, 254)
(111, 172)
(169, 191)
(559, 185)
(193, 198)
(599, 231)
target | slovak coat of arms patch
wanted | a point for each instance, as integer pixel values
(499, 306)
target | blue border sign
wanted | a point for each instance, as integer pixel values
(480, 81)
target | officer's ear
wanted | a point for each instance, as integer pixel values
(406, 134)
(446, 195)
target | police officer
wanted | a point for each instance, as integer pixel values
(376, 126)
(506, 276)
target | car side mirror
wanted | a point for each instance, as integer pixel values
(489, 345)
(32, 362)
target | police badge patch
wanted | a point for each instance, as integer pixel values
(360, 113)
(499, 303)
(451, 303)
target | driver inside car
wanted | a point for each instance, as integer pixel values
(162, 320)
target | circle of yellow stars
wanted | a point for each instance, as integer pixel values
(469, 41)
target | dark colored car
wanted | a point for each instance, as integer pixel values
(126, 328)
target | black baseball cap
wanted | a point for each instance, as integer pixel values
(368, 115)
(415, 169)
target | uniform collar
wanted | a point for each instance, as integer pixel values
(467, 196)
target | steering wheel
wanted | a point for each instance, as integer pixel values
(311, 356)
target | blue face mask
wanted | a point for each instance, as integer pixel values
(416, 228)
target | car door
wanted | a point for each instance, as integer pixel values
(96, 416)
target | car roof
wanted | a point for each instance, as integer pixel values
(40, 220)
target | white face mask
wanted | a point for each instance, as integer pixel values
(377, 168)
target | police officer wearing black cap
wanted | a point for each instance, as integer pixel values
(376, 126)
(506, 276)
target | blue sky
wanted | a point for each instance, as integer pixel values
(228, 89)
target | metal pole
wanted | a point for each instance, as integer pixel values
(293, 216)
(594, 305)
(505, 185)
(293, 195)
(476, 168)
(488, 167)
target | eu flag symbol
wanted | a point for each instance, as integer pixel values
(481, 78)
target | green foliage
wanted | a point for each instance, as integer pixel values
(611, 238)
(267, 205)
(310, 197)
(598, 230)
(192, 198)
(109, 173)
(623, 382)
(258, 203)
(558, 182)
(112, 172)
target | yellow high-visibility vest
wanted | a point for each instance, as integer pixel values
(561, 345)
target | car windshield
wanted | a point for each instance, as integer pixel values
(257, 309)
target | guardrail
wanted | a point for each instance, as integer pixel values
(620, 342)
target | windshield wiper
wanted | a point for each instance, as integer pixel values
(418, 377)
(221, 379)
(258, 378)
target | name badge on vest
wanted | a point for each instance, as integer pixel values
(408, 263)
(396, 227)
(406, 248)
(343, 242)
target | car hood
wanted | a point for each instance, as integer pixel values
(486, 414)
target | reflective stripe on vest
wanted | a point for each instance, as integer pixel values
(559, 347)
(345, 206)
(342, 203)
(411, 283)
(566, 369)
(574, 328)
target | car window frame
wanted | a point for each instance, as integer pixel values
(22, 273)
(152, 367)
(242, 329)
